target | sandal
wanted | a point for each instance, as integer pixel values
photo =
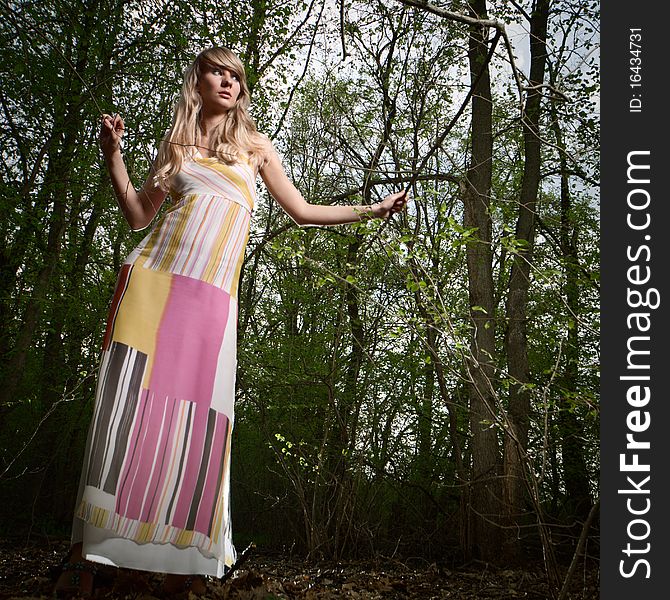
(74, 586)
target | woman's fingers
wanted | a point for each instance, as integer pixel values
(118, 124)
(113, 123)
(390, 205)
(399, 200)
(111, 132)
(107, 125)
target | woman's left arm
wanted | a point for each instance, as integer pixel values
(304, 213)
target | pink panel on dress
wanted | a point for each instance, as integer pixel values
(188, 340)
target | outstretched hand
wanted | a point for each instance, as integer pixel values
(111, 132)
(392, 204)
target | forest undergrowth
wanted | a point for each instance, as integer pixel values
(27, 571)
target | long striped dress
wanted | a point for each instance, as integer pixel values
(154, 489)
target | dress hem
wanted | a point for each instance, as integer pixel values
(142, 533)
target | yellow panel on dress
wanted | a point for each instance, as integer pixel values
(141, 311)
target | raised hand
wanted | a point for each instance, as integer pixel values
(392, 204)
(111, 132)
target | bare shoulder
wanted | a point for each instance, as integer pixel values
(267, 154)
(271, 168)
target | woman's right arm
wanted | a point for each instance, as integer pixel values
(139, 208)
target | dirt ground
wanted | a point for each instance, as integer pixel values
(27, 572)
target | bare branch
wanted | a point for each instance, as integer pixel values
(344, 45)
(302, 76)
(461, 18)
(291, 37)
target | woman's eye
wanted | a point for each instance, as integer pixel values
(219, 72)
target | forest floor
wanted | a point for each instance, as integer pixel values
(26, 572)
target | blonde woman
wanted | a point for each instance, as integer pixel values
(154, 489)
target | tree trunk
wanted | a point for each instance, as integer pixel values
(516, 343)
(252, 52)
(484, 542)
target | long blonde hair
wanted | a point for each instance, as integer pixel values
(233, 139)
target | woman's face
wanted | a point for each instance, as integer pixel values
(219, 88)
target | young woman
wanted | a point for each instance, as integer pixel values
(154, 489)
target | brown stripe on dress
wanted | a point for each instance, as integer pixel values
(117, 355)
(200, 484)
(125, 422)
(131, 458)
(182, 459)
(108, 442)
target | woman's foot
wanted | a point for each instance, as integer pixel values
(179, 584)
(77, 576)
